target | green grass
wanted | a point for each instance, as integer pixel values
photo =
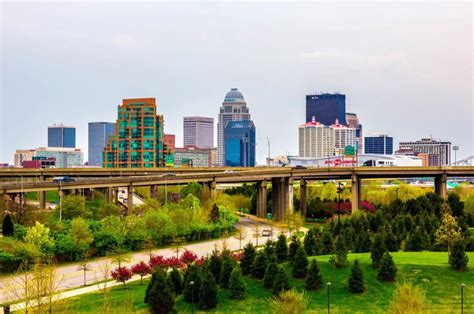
(51, 196)
(430, 270)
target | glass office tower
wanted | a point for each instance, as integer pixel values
(60, 135)
(239, 138)
(99, 133)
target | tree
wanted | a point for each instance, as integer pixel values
(270, 272)
(215, 264)
(387, 270)
(247, 258)
(227, 265)
(456, 205)
(141, 269)
(377, 250)
(160, 299)
(38, 236)
(300, 263)
(326, 243)
(408, 299)
(81, 235)
(281, 248)
(314, 280)
(8, 227)
(191, 291)
(193, 188)
(269, 248)
(415, 240)
(259, 265)
(390, 240)
(73, 206)
(294, 245)
(448, 232)
(241, 235)
(457, 257)
(121, 274)
(214, 214)
(340, 257)
(356, 279)
(207, 290)
(281, 283)
(85, 267)
(289, 302)
(236, 284)
(176, 281)
(310, 243)
(107, 209)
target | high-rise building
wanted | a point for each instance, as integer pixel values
(381, 144)
(239, 139)
(326, 108)
(234, 108)
(439, 152)
(99, 133)
(343, 136)
(64, 157)
(139, 137)
(195, 157)
(353, 122)
(60, 135)
(198, 132)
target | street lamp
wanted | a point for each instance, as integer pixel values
(191, 283)
(60, 201)
(462, 297)
(328, 285)
(340, 188)
(455, 148)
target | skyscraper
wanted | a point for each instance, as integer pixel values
(99, 133)
(239, 139)
(439, 152)
(60, 135)
(378, 144)
(353, 122)
(326, 108)
(139, 137)
(233, 108)
(198, 132)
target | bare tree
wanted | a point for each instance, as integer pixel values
(85, 268)
(20, 287)
(102, 280)
(256, 233)
(241, 235)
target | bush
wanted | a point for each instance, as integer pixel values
(340, 257)
(8, 228)
(310, 244)
(227, 266)
(281, 282)
(270, 273)
(207, 290)
(289, 302)
(191, 291)
(387, 270)
(377, 250)
(281, 248)
(247, 258)
(356, 279)
(457, 257)
(259, 265)
(408, 299)
(236, 284)
(176, 282)
(300, 263)
(8, 262)
(215, 264)
(294, 245)
(160, 298)
(314, 281)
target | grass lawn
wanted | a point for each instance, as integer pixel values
(430, 270)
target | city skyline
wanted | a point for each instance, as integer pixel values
(398, 79)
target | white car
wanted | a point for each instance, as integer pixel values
(266, 233)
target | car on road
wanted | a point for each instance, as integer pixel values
(266, 233)
(63, 179)
(229, 171)
(125, 200)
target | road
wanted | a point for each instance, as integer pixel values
(73, 278)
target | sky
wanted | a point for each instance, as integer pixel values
(406, 69)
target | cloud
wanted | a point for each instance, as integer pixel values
(124, 41)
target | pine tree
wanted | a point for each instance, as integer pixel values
(227, 266)
(236, 284)
(259, 265)
(457, 257)
(314, 281)
(281, 283)
(207, 290)
(214, 215)
(387, 270)
(269, 248)
(270, 273)
(176, 281)
(326, 243)
(390, 240)
(150, 285)
(363, 242)
(340, 257)
(8, 228)
(415, 240)
(191, 291)
(161, 299)
(310, 243)
(247, 259)
(281, 248)
(356, 279)
(294, 245)
(300, 263)
(377, 249)
(215, 264)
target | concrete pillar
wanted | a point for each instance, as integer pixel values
(6, 201)
(42, 199)
(108, 195)
(440, 185)
(275, 198)
(154, 191)
(212, 189)
(289, 191)
(130, 200)
(261, 199)
(282, 199)
(303, 198)
(116, 194)
(355, 193)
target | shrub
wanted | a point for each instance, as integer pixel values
(8, 228)
(310, 244)
(207, 290)
(408, 299)
(289, 302)
(294, 245)
(191, 291)
(314, 281)
(377, 250)
(160, 298)
(340, 257)
(300, 263)
(215, 264)
(259, 265)
(247, 258)
(227, 266)
(270, 273)
(387, 270)
(176, 282)
(236, 284)
(281, 282)
(356, 279)
(281, 248)
(457, 257)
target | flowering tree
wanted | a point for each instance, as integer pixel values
(141, 269)
(121, 274)
(156, 261)
(200, 261)
(171, 262)
(188, 257)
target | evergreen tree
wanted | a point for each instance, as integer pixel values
(227, 266)
(377, 249)
(326, 243)
(236, 284)
(247, 259)
(8, 228)
(207, 290)
(190, 291)
(214, 215)
(340, 257)
(269, 248)
(310, 244)
(456, 205)
(415, 240)
(270, 273)
(150, 285)
(176, 281)
(294, 245)
(390, 240)
(215, 264)
(457, 257)
(281, 283)
(161, 298)
(314, 281)
(387, 270)
(281, 248)
(356, 279)
(300, 263)
(348, 235)
(259, 265)
(363, 242)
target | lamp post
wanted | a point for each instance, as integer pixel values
(340, 188)
(328, 285)
(60, 201)
(455, 149)
(462, 298)
(191, 283)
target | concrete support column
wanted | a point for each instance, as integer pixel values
(115, 195)
(355, 193)
(261, 199)
(109, 195)
(440, 186)
(130, 199)
(6, 201)
(212, 189)
(275, 197)
(154, 191)
(282, 199)
(42, 199)
(303, 198)
(289, 191)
